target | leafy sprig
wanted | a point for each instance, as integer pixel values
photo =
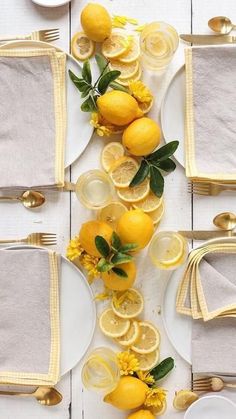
(91, 91)
(153, 165)
(114, 254)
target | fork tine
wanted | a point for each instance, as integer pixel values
(48, 234)
(48, 31)
(202, 380)
(51, 39)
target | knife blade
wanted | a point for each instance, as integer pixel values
(208, 39)
(205, 234)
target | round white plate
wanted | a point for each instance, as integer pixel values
(77, 313)
(179, 327)
(173, 113)
(79, 130)
(50, 3)
(211, 407)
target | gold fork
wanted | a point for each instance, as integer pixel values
(210, 384)
(213, 188)
(36, 239)
(45, 35)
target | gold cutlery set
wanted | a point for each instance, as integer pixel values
(206, 384)
(219, 24)
(225, 221)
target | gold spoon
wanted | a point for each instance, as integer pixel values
(221, 24)
(30, 199)
(48, 396)
(225, 221)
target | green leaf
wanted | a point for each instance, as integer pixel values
(86, 92)
(89, 105)
(102, 246)
(141, 174)
(117, 86)
(102, 63)
(106, 79)
(86, 72)
(79, 83)
(120, 258)
(128, 247)
(156, 181)
(164, 152)
(120, 272)
(167, 165)
(162, 369)
(115, 241)
(104, 266)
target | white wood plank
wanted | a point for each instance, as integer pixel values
(177, 214)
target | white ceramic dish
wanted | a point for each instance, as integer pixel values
(179, 327)
(79, 130)
(211, 407)
(173, 113)
(77, 314)
(50, 3)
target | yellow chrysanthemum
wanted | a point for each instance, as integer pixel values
(155, 397)
(103, 295)
(128, 363)
(103, 128)
(121, 21)
(146, 377)
(90, 264)
(140, 91)
(74, 249)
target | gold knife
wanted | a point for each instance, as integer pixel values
(206, 234)
(208, 39)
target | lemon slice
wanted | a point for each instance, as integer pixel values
(149, 204)
(149, 339)
(111, 152)
(136, 193)
(145, 106)
(81, 46)
(147, 361)
(112, 325)
(131, 336)
(157, 215)
(128, 70)
(127, 304)
(159, 410)
(123, 171)
(132, 54)
(183, 399)
(156, 44)
(135, 77)
(112, 213)
(115, 45)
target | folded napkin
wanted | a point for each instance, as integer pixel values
(29, 317)
(210, 144)
(32, 118)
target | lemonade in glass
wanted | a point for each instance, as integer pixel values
(94, 189)
(168, 250)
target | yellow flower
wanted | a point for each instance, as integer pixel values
(90, 264)
(74, 249)
(146, 377)
(121, 21)
(140, 91)
(102, 128)
(128, 364)
(103, 295)
(140, 28)
(155, 397)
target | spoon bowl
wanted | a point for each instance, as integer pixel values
(47, 396)
(32, 199)
(221, 24)
(225, 220)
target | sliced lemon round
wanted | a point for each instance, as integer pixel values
(156, 44)
(136, 193)
(116, 45)
(112, 325)
(112, 213)
(128, 70)
(183, 399)
(111, 152)
(123, 171)
(159, 410)
(149, 204)
(149, 339)
(157, 214)
(131, 336)
(127, 304)
(133, 52)
(147, 361)
(81, 46)
(145, 106)
(135, 77)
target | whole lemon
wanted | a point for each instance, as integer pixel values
(129, 394)
(89, 231)
(141, 137)
(118, 107)
(112, 281)
(96, 22)
(141, 414)
(135, 226)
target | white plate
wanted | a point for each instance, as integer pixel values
(50, 3)
(173, 113)
(77, 313)
(179, 327)
(211, 407)
(79, 130)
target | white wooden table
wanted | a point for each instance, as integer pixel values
(63, 214)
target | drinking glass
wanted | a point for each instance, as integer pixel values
(168, 250)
